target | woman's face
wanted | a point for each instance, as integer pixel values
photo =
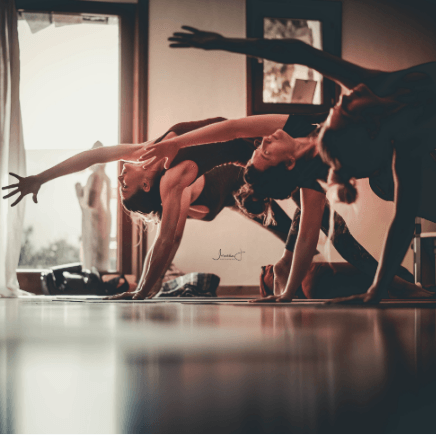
(273, 150)
(351, 107)
(134, 177)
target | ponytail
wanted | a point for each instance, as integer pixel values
(345, 186)
(253, 206)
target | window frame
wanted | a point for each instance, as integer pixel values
(330, 15)
(133, 62)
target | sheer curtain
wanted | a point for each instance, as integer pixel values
(12, 155)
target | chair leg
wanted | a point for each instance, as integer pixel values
(417, 269)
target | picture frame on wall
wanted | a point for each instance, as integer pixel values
(280, 88)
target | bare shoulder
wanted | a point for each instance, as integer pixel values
(179, 177)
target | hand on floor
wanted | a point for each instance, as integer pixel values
(272, 298)
(372, 296)
(126, 295)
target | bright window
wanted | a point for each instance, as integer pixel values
(69, 100)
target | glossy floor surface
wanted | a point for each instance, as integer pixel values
(171, 367)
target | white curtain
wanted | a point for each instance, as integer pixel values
(12, 155)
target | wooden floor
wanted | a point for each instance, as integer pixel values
(233, 367)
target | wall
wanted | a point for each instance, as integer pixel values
(191, 84)
(188, 85)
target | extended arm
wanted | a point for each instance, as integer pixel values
(291, 51)
(175, 246)
(77, 163)
(406, 171)
(175, 206)
(252, 126)
(312, 208)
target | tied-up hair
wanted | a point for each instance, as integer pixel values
(147, 204)
(343, 181)
(254, 198)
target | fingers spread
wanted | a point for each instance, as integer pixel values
(138, 296)
(148, 162)
(271, 298)
(191, 29)
(125, 295)
(15, 175)
(11, 194)
(17, 201)
(356, 299)
(182, 35)
(180, 46)
(10, 186)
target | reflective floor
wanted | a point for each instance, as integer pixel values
(81, 367)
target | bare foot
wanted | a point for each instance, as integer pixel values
(281, 273)
(412, 291)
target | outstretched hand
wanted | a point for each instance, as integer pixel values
(196, 39)
(24, 186)
(156, 152)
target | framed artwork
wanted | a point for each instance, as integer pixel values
(279, 88)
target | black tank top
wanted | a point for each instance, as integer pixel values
(219, 186)
(221, 178)
(209, 156)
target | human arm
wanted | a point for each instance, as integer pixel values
(355, 254)
(187, 126)
(288, 51)
(77, 163)
(251, 126)
(146, 264)
(153, 292)
(175, 247)
(176, 200)
(312, 208)
(406, 170)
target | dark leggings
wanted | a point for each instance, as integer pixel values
(347, 246)
(284, 222)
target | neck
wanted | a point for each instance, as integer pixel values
(303, 146)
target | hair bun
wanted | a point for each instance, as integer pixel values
(347, 192)
(345, 187)
(253, 205)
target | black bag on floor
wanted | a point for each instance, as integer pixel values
(71, 279)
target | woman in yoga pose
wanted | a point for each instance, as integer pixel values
(239, 151)
(192, 188)
(387, 125)
(383, 130)
(151, 192)
(279, 147)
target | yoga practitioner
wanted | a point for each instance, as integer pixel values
(239, 151)
(386, 126)
(141, 191)
(282, 164)
(384, 129)
(193, 188)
